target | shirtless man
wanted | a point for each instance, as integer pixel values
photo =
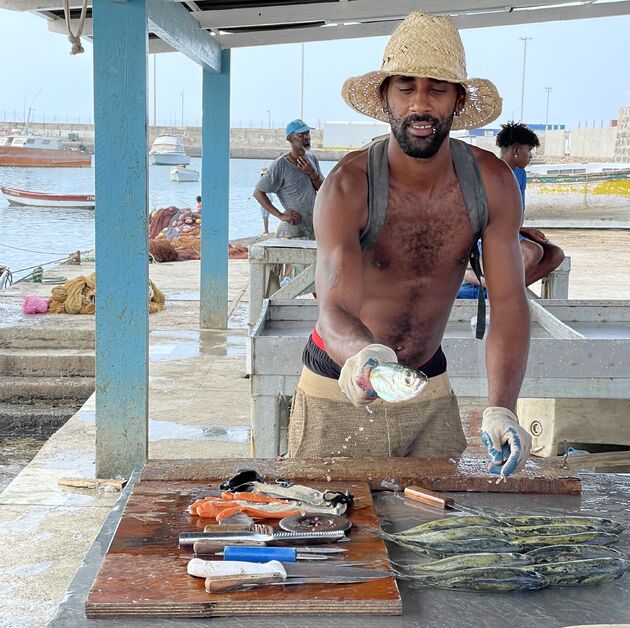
(388, 300)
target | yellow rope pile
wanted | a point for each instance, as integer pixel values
(78, 296)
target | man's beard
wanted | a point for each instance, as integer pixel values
(420, 147)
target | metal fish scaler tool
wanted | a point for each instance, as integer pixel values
(394, 382)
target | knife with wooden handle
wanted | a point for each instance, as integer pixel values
(211, 547)
(431, 498)
(424, 495)
(231, 527)
(219, 584)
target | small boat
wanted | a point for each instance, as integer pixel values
(42, 199)
(41, 152)
(168, 150)
(182, 174)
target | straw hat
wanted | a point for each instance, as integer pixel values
(426, 46)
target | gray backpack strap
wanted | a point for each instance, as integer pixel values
(474, 194)
(470, 182)
(378, 192)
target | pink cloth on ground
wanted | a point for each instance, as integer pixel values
(34, 304)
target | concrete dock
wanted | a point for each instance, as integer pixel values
(198, 407)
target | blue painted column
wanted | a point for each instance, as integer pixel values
(122, 269)
(215, 196)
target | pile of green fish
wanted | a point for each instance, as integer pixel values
(513, 553)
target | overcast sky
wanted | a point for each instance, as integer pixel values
(585, 62)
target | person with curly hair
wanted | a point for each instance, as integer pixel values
(540, 255)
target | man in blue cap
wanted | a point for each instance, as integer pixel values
(294, 178)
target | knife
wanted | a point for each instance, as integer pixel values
(265, 554)
(190, 538)
(210, 548)
(221, 568)
(431, 498)
(222, 584)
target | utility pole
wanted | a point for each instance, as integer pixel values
(302, 86)
(182, 108)
(548, 90)
(269, 116)
(524, 40)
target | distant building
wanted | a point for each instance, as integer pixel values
(352, 134)
(539, 128)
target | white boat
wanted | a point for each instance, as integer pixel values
(168, 150)
(19, 197)
(182, 174)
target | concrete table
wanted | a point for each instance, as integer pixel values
(582, 352)
(265, 262)
(604, 495)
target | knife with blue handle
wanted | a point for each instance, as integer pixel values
(264, 554)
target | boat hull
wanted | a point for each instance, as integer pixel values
(170, 159)
(596, 195)
(42, 158)
(24, 198)
(184, 175)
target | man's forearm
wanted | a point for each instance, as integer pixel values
(507, 348)
(317, 181)
(265, 203)
(343, 334)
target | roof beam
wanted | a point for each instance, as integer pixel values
(56, 25)
(385, 28)
(172, 23)
(348, 11)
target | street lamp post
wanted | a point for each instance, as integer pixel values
(302, 85)
(548, 90)
(524, 40)
(269, 117)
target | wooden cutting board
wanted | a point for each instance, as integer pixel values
(144, 570)
(437, 474)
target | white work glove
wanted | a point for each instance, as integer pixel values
(354, 380)
(507, 442)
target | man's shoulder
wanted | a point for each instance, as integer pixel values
(350, 170)
(276, 163)
(490, 165)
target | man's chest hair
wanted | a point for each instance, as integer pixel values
(424, 235)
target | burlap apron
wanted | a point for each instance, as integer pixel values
(324, 423)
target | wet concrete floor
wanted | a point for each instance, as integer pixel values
(15, 453)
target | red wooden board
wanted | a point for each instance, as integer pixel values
(144, 570)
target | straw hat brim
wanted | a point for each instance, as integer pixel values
(483, 103)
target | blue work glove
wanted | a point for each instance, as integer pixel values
(507, 442)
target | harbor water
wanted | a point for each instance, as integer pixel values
(31, 236)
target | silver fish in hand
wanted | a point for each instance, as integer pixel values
(394, 382)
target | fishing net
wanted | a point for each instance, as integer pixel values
(78, 296)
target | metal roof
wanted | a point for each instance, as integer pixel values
(241, 23)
